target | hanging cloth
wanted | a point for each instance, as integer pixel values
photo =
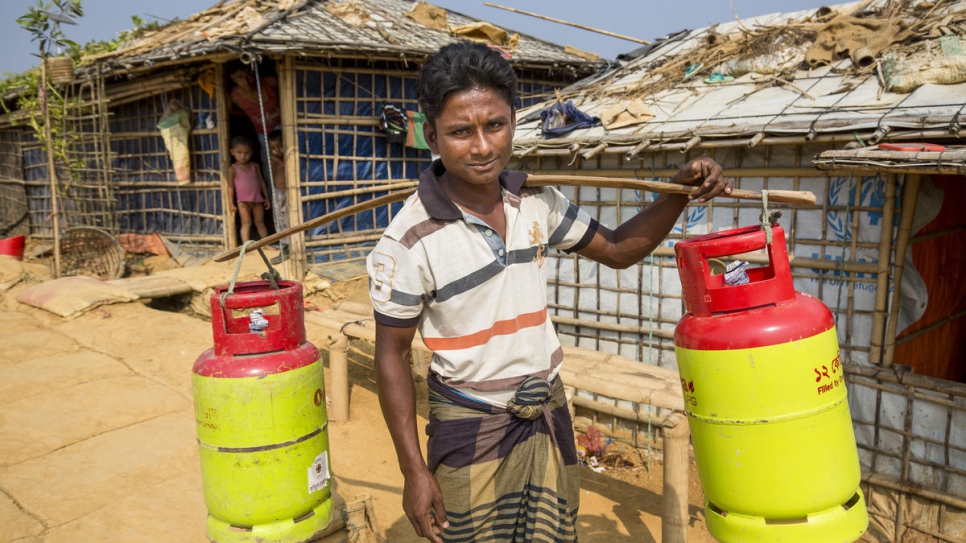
(175, 126)
(414, 130)
(560, 119)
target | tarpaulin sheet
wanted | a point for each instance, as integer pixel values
(362, 150)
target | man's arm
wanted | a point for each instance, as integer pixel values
(642, 233)
(422, 499)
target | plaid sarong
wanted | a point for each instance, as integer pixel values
(505, 477)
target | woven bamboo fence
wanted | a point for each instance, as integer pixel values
(344, 155)
(14, 218)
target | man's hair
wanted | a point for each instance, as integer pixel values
(275, 135)
(459, 67)
(241, 140)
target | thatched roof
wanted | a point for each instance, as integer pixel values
(673, 101)
(378, 29)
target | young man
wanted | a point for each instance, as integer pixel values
(463, 263)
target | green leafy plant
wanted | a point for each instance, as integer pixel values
(45, 26)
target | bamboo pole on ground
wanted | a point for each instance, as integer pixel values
(677, 467)
(910, 197)
(882, 271)
(339, 371)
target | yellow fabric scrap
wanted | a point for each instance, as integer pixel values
(482, 31)
(626, 114)
(352, 12)
(206, 80)
(428, 15)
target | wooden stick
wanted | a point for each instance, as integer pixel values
(882, 271)
(318, 221)
(782, 196)
(677, 467)
(568, 23)
(910, 197)
(51, 169)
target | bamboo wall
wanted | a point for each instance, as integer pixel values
(345, 158)
(14, 219)
(149, 198)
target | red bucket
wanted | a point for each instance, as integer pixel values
(12, 246)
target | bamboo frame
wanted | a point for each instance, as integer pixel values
(296, 264)
(882, 272)
(910, 197)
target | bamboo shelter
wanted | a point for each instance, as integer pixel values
(881, 247)
(337, 64)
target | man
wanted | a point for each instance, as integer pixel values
(463, 262)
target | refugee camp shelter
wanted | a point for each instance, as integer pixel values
(764, 97)
(337, 65)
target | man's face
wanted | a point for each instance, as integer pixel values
(473, 135)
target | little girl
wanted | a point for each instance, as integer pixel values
(245, 179)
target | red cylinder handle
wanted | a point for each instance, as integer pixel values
(706, 293)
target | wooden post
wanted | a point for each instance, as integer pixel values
(51, 168)
(224, 156)
(297, 264)
(882, 273)
(910, 197)
(339, 372)
(677, 468)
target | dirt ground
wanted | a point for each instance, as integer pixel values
(97, 432)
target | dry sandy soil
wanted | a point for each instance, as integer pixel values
(97, 434)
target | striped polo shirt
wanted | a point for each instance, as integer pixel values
(478, 301)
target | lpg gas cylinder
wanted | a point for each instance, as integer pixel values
(765, 396)
(261, 420)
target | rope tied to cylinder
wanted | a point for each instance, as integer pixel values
(767, 218)
(272, 275)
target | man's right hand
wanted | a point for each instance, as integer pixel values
(423, 504)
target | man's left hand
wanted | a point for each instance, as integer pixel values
(705, 173)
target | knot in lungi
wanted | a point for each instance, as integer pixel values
(530, 399)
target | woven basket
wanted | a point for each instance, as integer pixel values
(85, 250)
(60, 70)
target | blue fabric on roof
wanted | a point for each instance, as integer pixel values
(568, 114)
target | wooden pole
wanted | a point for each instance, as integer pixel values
(224, 158)
(568, 23)
(297, 262)
(51, 169)
(882, 271)
(782, 196)
(910, 196)
(339, 370)
(677, 467)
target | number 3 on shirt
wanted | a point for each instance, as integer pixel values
(384, 266)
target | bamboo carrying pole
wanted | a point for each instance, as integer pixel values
(677, 466)
(782, 196)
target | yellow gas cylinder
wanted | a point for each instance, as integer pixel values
(261, 421)
(766, 400)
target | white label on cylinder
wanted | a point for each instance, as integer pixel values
(319, 472)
